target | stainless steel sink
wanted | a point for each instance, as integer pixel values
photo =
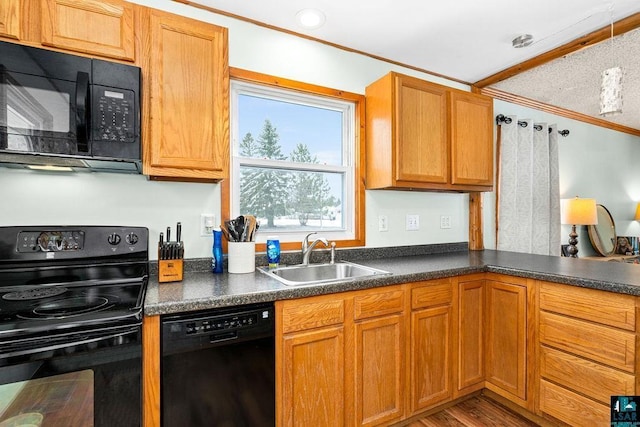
(311, 274)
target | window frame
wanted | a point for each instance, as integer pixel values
(358, 101)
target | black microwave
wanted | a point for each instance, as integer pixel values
(58, 109)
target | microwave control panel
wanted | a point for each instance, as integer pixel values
(114, 113)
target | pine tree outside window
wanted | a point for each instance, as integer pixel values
(293, 162)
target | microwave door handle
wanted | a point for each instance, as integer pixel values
(82, 111)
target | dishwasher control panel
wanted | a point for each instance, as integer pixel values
(223, 323)
(215, 327)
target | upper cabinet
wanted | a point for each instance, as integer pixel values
(425, 136)
(103, 27)
(187, 79)
(10, 18)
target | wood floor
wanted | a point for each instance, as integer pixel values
(478, 411)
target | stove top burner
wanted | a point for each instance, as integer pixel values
(69, 307)
(31, 294)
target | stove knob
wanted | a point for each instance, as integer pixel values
(113, 239)
(131, 238)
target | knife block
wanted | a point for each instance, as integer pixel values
(170, 270)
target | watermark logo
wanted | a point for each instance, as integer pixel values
(624, 411)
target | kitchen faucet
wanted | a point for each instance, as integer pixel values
(307, 248)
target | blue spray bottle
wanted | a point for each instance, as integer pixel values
(216, 260)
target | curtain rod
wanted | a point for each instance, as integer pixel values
(501, 118)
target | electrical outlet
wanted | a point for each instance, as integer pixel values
(413, 222)
(207, 224)
(445, 221)
(383, 223)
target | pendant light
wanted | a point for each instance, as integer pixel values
(611, 86)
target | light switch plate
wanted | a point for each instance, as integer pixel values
(207, 224)
(445, 221)
(383, 223)
(413, 222)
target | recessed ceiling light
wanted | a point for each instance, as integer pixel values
(522, 41)
(310, 19)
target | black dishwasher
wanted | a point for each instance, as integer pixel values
(218, 367)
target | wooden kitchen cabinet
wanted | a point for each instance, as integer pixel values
(587, 352)
(11, 19)
(425, 136)
(187, 82)
(509, 349)
(431, 344)
(98, 27)
(310, 354)
(379, 357)
(471, 125)
(470, 335)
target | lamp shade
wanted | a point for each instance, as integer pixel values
(637, 217)
(579, 211)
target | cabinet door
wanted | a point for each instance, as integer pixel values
(421, 131)
(10, 18)
(101, 27)
(379, 370)
(430, 357)
(312, 385)
(506, 337)
(471, 335)
(471, 139)
(189, 99)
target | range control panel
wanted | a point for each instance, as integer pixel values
(37, 243)
(54, 241)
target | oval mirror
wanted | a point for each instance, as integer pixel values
(603, 234)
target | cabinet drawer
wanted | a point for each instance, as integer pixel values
(435, 293)
(592, 379)
(614, 347)
(572, 408)
(590, 304)
(312, 314)
(377, 304)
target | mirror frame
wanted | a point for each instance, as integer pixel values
(596, 231)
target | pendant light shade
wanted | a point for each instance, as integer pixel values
(611, 92)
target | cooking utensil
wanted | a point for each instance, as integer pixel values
(240, 228)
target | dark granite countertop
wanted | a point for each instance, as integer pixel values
(203, 289)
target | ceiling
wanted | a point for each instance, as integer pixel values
(470, 41)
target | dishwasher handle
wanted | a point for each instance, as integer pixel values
(225, 336)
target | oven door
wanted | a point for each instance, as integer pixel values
(77, 379)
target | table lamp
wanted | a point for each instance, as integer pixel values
(578, 211)
(637, 217)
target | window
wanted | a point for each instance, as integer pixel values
(295, 159)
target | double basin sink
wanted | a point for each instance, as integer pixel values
(299, 275)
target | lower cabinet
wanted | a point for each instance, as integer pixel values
(470, 335)
(378, 356)
(506, 338)
(431, 344)
(313, 378)
(310, 369)
(355, 358)
(587, 352)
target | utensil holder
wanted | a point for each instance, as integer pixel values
(242, 257)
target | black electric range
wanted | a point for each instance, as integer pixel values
(71, 324)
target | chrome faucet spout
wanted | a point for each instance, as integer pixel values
(308, 247)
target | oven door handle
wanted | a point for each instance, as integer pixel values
(112, 339)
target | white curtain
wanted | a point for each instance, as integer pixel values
(528, 191)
